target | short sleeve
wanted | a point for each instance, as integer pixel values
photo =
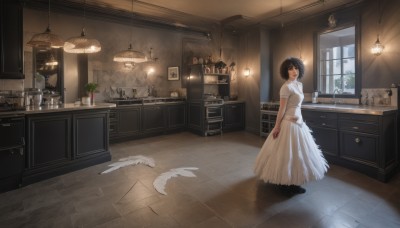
(284, 92)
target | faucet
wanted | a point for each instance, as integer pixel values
(334, 92)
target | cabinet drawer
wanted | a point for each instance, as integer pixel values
(318, 115)
(360, 148)
(366, 127)
(359, 117)
(327, 123)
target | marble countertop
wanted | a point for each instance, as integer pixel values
(233, 102)
(59, 108)
(350, 108)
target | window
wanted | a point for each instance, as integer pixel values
(337, 63)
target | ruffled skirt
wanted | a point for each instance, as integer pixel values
(293, 158)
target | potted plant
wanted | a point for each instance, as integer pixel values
(91, 88)
(220, 65)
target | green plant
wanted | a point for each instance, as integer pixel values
(91, 87)
(220, 64)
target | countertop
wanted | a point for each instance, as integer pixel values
(233, 102)
(58, 108)
(349, 108)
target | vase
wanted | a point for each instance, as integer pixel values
(91, 98)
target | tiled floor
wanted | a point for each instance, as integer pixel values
(224, 192)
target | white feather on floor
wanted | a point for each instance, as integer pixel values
(160, 182)
(131, 160)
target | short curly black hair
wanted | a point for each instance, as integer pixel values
(290, 62)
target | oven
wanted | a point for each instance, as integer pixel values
(12, 156)
(213, 112)
(214, 116)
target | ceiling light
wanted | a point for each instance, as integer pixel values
(82, 44)
(51, 61)
(46, 38)
(130, 56)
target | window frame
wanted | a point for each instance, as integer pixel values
(317, 62)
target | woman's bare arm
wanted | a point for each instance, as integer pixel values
(279, 117)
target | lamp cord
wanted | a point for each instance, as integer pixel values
(132, 23)
(48, 17)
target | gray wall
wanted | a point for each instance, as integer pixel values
(115, 37)
(376, 71)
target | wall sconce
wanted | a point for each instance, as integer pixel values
(377, 48)
(150, 70)
(246, 72)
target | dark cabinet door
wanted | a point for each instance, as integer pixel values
(128, 121)
(327, 139)
(358, 147)
(153, 119)
(234, 116)
(11, 40)
(176, 116)
(91, 133)
(49, 140)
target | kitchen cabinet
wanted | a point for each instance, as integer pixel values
(61, 142)
(12, 151)
(234, 116)
(11, 38)
(89, 133)
(267, 121)
(128, 122)
(325, 130)
(205, 93)
(176, 115)
(138, 121)
(363, 142)
(201, 85)
(153, 119)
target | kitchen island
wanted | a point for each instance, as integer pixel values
(60, 139)
(359, 137)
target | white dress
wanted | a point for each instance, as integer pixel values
(293, 158)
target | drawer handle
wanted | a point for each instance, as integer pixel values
(357, 140)
(355, 128)
(323, 124)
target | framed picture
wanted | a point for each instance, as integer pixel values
(173, 73)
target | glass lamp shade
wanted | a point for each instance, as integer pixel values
(377, 48)
(247, 72)
(82, 44)
(130, 56)
(46, 39)
(51, 62)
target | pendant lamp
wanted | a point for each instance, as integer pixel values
(82, 44)
(377, 47)
(130, 56)
(46, 38)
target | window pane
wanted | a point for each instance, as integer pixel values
(349, 66)
(338, 84)
(349, 51)
(337, 67)
(349, 83)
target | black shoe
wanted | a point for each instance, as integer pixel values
(295, 189)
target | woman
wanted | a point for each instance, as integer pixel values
(290, 157)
